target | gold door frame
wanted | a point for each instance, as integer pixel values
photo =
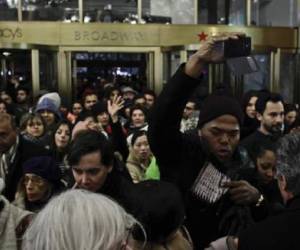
(217, 71)
(65, 74)
(149, 38)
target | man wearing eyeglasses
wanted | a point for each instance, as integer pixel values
(189, 118)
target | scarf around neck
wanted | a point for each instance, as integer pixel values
(7, 158)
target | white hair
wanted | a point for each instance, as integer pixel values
(2, 185)
(288, 159)
(81, 220)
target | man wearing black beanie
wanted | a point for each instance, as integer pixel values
(206, 167)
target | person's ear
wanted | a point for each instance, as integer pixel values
(109, 168)
(258, 116)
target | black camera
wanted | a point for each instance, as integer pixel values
(240, 47)
(237, 55)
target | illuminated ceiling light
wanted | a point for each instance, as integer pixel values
(74, 18)
(5, 53)
(87, 19)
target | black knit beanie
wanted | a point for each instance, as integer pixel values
(217, 105)
(43, 166)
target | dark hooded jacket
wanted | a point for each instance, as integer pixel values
(182, 158)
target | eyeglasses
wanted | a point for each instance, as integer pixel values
(36, 180)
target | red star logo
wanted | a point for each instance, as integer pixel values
(202, 36)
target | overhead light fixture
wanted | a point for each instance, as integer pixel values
(74, 18)
(87, 19)
(5, 53)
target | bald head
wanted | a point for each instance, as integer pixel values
(8, 132)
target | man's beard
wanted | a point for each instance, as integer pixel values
(21, 101)
(275, 130)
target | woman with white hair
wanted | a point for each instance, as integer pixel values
(13, 223)
(81, 220)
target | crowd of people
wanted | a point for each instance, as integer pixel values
(125, 169)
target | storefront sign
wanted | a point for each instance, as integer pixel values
(106, 36)
(128, 35)
(11, 33)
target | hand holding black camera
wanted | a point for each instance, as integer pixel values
(216, 50)
(231, 48)
(211, 51)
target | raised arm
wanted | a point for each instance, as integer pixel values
(118, 137)
(164, 135)
(166, 141)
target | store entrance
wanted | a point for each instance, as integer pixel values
(15, 64)
(137, 67)
(98, 69)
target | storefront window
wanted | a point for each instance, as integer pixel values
(8, 10)
(261, 79)
(169, 11)
(48, 70)
(15, 68)
(231, 12)
(107, 11)
(274, 13)
(287, 76)
(50, 10)
(99, 70)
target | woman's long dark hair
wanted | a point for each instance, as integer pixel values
(58, 155)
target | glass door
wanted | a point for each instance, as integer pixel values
(95, 67)
(15, 68)
(217, 76)
(289, 76)
(96, 70)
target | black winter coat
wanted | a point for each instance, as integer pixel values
(181, 157)
(279, 232)
(119, 186)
